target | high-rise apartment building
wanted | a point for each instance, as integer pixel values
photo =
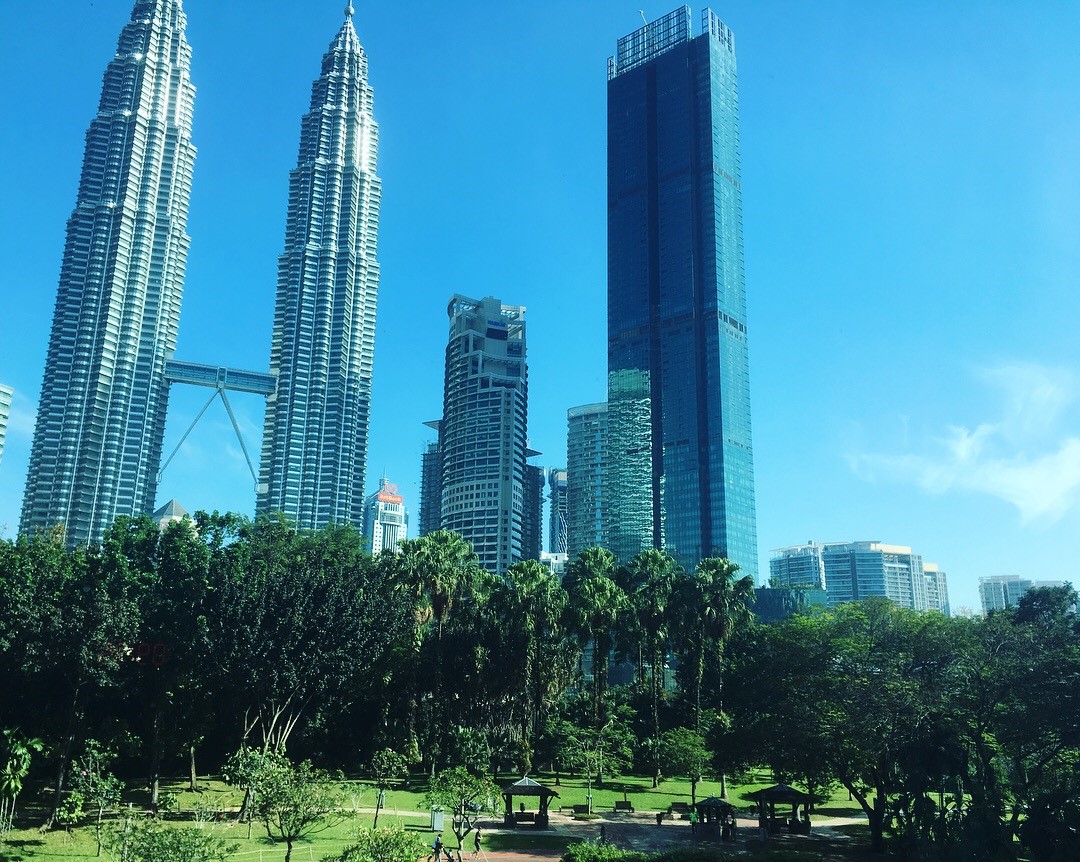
(431, 486)
(586, 469)
(532, 513)
(859, 570)
(386, 520)
(797, 566)
(6, 393)
(483, 430)
(556, 480)
(1005, 591)
(937, 589)
(315, 438)
(101, 416)
(681, 466)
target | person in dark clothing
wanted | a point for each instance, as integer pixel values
(476, 842)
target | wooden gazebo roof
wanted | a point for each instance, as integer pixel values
(528, 787)
(782, 793)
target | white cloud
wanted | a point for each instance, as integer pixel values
(1023, 457)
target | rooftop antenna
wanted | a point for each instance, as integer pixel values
(643, 18)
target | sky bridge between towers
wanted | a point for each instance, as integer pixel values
(221, 380)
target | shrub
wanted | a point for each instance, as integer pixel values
(394, 844)
(591, 851)
(150, 841)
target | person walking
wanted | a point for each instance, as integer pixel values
(693, 821)
(476, 842)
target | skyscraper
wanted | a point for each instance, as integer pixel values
(101, 417)
(556, 480)
(6, 393)
(1005, 591)
(316, 433)
(797, 566)
(483, 433)
(586, 476)
(681, 467)
(937, 589)
(385, 518)
(532, 513)
(431, 486)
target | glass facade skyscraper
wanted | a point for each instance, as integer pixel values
(6, 393)
(101, 417)
(315, 438)
(680, 464)
(586, 478)
(556, 479)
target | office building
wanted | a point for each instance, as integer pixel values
(555, 563)
(483, 430)
(386, 520)
(937, 589)
(797, 566)
(431, 486)
(859, 570)
(6, 393)
(681, 467)
(586, 466)
(1005, 591)
(532, 513)
(101, 417)
(315, 437)
(556, 480)
(171, 513)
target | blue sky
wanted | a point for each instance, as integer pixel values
(912, 215)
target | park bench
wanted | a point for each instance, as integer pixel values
(581, 809)
(679, 810)
(624, 807)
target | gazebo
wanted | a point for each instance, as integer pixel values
(717, 816)
(527, 787)
(782, 794)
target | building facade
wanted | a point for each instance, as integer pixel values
(937, 589)
(797, 566)
(532, 513)
(386, 520)
(315, 438)
(860, 570)
(483, 430)
(1005, 591)
(681, 467)
(556, 481)
(586, 468)
(431, 486)
(6, 394)
(101, 417)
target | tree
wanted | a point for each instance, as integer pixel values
(394, 844)
(532, 602)
(248, 769)
(466, 795)
(100, 789)
(589, 751)
(658, 580)
(16, 753)
(151, 841)
(595, 603)
(295, 801)
(386, 765)
(683, 750)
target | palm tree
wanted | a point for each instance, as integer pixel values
(532, 601)
(659, 579)
(436, 569)
(715, 603)
(16, 751)
(595, 603)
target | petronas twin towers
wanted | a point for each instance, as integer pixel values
(101, 419)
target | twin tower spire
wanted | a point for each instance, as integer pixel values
(101, 418)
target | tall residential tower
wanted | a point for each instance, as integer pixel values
(681, 466)
(482, 434)
(101, 417)
(316, 433)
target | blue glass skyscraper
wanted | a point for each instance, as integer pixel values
(681, 464)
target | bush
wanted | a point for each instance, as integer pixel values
(394, 844)
(591, 851)
(150, 841)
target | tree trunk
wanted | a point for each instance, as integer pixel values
(288, 850)
(877, 825)
(155, 762)
(656, 717)
(61, 772)
(693, 792)
(193, 783)
(378, 805)
(723, 786)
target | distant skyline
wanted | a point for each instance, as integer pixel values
(911, 207)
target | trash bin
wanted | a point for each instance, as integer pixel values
(437, 819)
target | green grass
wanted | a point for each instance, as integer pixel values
(403, 807)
